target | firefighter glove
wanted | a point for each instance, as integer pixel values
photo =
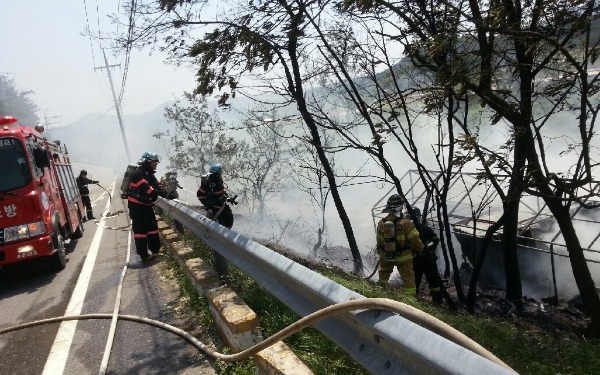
(403, 258)
(433, 244)
(389, 257)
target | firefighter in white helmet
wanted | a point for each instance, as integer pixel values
(397, 240)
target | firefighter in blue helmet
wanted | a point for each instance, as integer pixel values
(144, 190)
(397, 240)
(213, 195)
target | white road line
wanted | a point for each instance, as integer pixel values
(57, 359)
(113, 323)
(104, 193)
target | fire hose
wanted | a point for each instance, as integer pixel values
(407, 311)
(108, 192)
(112, 214)
(374, 271)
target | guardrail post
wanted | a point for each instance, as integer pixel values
(221, 265)
(179, 227)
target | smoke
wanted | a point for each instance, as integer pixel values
(587, 226)
(293, 221)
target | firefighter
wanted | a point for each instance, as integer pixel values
(213, 196)
(144, 190)
(84, 191)
(171, 184)
(426, 262)
(397, 240)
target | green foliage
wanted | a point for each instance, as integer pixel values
(539, 353)
(309, 344)
(17, 103)
(253, 165)
(245, 367)
(225, 53)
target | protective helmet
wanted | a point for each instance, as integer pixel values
(215, 169)
(394, 203)
(148, 157)
(83, 172)
(417, 212)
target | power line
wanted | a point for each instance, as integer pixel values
(98, 21)
(117, 106)
(87, 20)
(128, 46)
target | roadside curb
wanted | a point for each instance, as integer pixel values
(237, 324)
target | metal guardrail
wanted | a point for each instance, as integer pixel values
(380, 341)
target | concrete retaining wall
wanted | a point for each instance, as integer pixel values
(237, 324)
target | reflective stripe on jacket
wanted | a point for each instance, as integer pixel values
(143, 186)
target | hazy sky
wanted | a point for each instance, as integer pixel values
(44, 51)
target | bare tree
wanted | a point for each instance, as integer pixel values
(384, 110)
(252, 160)
(260, 167)
(507, 55)
(195, 135)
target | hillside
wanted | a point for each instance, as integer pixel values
(97, 138)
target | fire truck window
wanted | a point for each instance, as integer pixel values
(14, 172)
(40, 156)
(37, 159)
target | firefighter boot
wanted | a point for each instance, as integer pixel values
(437, 297)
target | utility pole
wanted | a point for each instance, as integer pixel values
(117, 106)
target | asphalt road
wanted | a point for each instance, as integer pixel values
(90, 284)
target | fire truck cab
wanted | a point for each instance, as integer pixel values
(40, 205)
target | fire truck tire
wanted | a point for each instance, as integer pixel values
(58, 260)
(78, 232)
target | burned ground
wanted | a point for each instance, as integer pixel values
(554, 317)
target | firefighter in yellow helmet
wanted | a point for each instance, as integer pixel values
(397, 240)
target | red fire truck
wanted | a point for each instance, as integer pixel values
(40, 205)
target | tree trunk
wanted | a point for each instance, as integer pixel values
(296, 88)
(509, 242)
(479, 263)
(356, 257)
(317, 245)
(460, 294)
(514, 291)
(581, 271)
